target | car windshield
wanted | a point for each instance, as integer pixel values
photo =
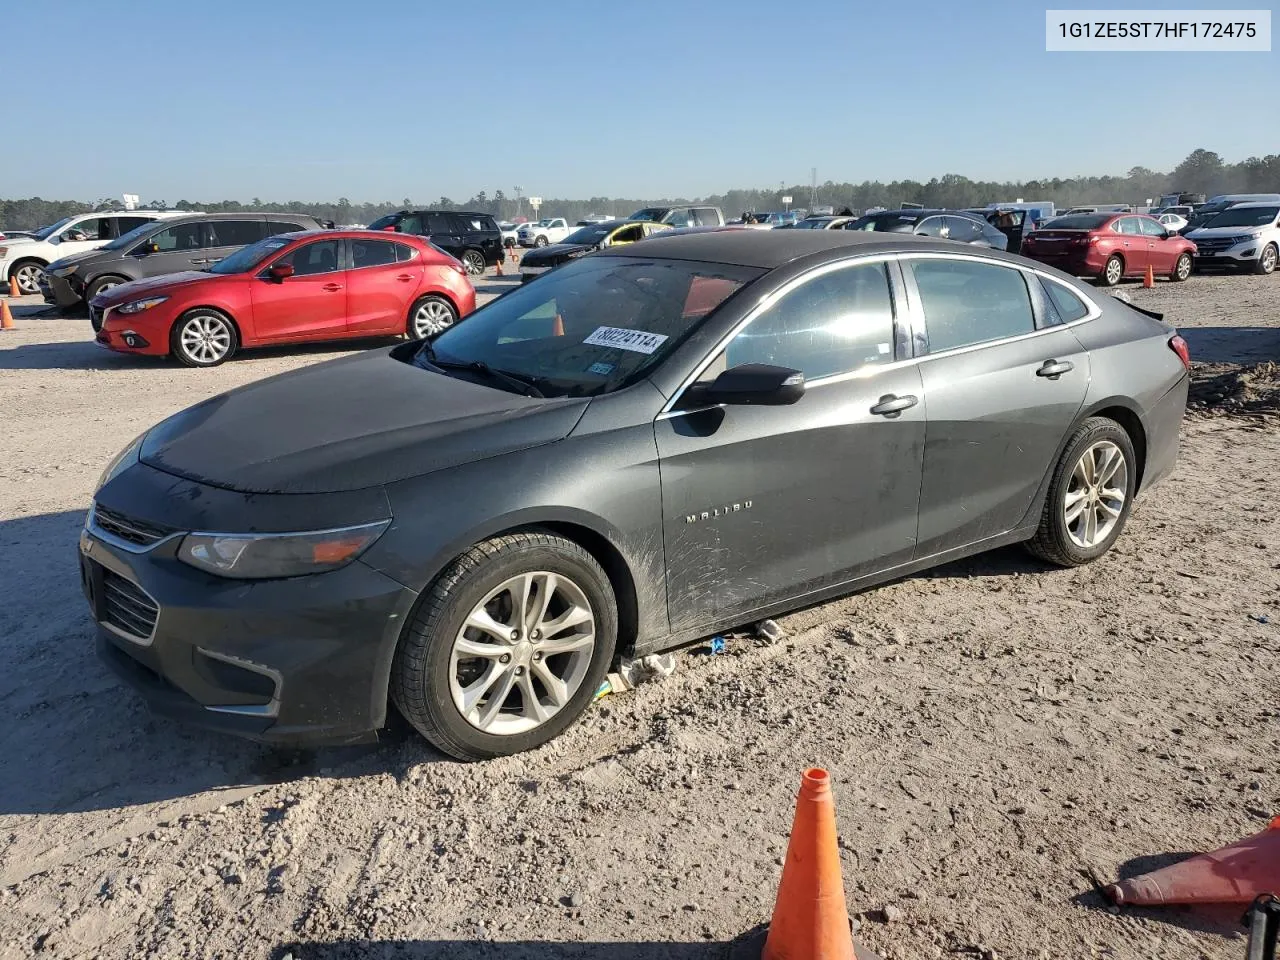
(44, 233)
(246, 258)
(590, 327)
(653, 214)
(390, 220)
(885, 223)
(1245, 217)
(815, 224)
(127, 239)
(587, 235)
(1078, 221)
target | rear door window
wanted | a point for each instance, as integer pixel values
(180, 236)
(439, 223)
(235, 233)
(967, 302)
(963, 229)
(933, 227)
(372, 253)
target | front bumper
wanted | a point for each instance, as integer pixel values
(146, 333)
(1237, 255)
(60, 290)
(298, 661)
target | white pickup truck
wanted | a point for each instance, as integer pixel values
(543, 232)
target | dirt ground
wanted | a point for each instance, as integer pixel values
(1002, 737)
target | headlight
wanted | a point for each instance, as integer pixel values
(58, 270)
(137, 306)
(4, 252)
(122, 461)
(264, 556)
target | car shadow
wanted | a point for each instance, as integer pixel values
(77, 739)
(496, 950)
(1220, 919)
(87, 355)
(1002, 562)
(1232, 344)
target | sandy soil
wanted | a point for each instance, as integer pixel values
(1002, 737)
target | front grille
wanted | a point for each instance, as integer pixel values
(128, 529)
(127, 608)
(1215, 244)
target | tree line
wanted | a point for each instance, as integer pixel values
(1203, 171)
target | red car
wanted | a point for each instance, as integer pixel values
(290, 288)
(1110, 246)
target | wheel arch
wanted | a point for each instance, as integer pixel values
(217, 308)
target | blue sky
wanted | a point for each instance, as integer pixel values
(386, 99)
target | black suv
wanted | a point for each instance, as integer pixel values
(162, 246)
(474, 238)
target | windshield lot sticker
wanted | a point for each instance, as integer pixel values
(637, 341)
(601, 369)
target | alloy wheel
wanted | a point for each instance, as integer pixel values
(206, 338)
(1115, 269)
(430, 318)
(522, 653)
(1269, 260)
(28, 277)
(1096, 495)
(1184, 267)
(473, 262)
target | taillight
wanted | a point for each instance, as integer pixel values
(1179, 346)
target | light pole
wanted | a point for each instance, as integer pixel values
(518, 208)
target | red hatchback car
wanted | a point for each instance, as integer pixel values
(1110, 246)
(291, 288)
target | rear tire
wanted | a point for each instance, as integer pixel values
(429, 316)
(1112, 271)
(473, 260)
(429, 673)
(1181, 268)
(1267, 262)
(1087, 480)
(203, 337)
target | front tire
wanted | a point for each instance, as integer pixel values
(1089, 497)
(27, 273)
(1267, 262)
(508, 646)
(473, 260)
(430, 316)
(541, 241)
(1181, 268)
(1112, 271)
(100, 284)
(203, 338)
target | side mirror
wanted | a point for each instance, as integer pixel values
(152, 247)
(281, 271)
(753, 384)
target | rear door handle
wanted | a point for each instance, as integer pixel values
(332, 287)
(404, 277)
(1053, 369)
(891, 406)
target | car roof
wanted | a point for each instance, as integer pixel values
(772, 248)
(350, 234)
(1253, 204)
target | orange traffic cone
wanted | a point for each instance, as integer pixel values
(6, 316)
(1150, 279)
(499, 265)
(13, 287)
(1235, 874)
(810, 919)
(557, 328)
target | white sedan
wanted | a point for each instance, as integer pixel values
(1172, 222)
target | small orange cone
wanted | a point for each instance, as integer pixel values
(1235, 874)
(810, 919)
(6, 316)
(557, 328)
(13, 287)
(499, 265)
(1150, 279)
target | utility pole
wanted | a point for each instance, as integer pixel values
(518, 208)
(813, 188)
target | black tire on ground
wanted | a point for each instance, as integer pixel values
(1181, 268)
(429, 316)
(541, 241)
(420, 670)
(98, 284)
(1111, 275)
(473, 260)
(27, 273)
(1267, 261)
(1052, 542)
(224, 338)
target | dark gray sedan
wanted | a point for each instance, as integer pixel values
(641, 448)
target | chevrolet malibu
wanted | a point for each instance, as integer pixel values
(648, 445)
(292, 288)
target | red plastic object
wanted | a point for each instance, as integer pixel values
(1235, 874)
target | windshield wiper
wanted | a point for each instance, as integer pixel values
(519, 382)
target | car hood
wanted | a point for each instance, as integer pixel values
(73, 258)
(348, 424)
(556, 253)
(1204, 232)
(15, 241)
(135, 288)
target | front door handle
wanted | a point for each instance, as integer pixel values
(1053, 369)
(197, 261)
(405, 277)
(332, 287)
(891, 406)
